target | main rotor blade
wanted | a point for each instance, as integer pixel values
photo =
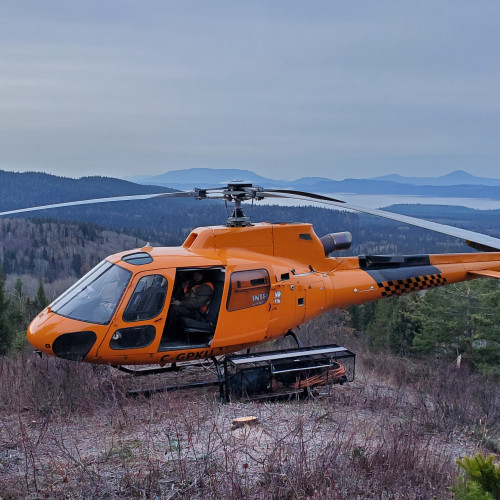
(177, 194)
(473, 239)
(293, 194)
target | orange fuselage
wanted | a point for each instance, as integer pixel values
(299, 283)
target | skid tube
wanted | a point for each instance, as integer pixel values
(170, 388)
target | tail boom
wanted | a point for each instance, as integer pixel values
(365, 279)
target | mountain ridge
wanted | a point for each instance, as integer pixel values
(454, 178)
(469, 186)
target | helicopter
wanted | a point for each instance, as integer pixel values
(266, 280)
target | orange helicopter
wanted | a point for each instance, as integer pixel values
(262, 281)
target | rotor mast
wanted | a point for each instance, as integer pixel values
(238, 218)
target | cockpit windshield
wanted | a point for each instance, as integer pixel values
(95, 297)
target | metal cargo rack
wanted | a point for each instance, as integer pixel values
(278, 374)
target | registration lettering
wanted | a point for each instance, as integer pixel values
(188, 356)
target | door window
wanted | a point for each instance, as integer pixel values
(133, 337)
(248, 289)
(148, 298)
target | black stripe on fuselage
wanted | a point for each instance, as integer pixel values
(370, 262)
(402, 273)
(397, 274)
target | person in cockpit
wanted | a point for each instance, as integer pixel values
(197, 294)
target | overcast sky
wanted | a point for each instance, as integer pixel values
(284, 88)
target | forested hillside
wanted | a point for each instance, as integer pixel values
(483, 221)
(24, 189)
(169, 221)
(55, 251)
(39, 260)
(462, 319)
(40, 255)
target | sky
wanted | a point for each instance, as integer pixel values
(284, 88)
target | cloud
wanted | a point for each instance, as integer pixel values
(107, 87)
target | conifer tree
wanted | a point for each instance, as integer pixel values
(395, 324)
(6, 332)
(462, 319)
(405, 324)
(18, 313)
(481, 480)
(41, 301)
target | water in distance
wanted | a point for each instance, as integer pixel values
(385, 200)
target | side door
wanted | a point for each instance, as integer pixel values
(138, 323)
(247, 313)
(283, 307)
(315, 298)
(309, 297)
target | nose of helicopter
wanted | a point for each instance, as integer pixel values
(57, 336)
(39, 337)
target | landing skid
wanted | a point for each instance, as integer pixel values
(265, 375)
(174, 367)
(171, 388)
(148, 371)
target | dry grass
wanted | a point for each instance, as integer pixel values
(69, 431)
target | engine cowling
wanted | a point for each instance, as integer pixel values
(334, 242)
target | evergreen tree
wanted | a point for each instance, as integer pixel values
(362, 316)
(462, 319)
(41, 301)
(378, 328)
(405, 324)
(395, 324)
(76, 264)
(481, 480)
(18, 313)
(6, 332)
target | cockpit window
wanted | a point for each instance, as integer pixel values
(148, 298)
(95, 297)
(138, 258)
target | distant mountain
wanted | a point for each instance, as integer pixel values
(457, 177)
(201, 177)
(453, 185)
(367, 186)
(169, 222)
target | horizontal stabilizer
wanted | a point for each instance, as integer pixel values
(487, 273)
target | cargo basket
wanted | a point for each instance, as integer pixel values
(287, 373)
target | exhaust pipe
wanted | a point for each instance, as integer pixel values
(333, 242)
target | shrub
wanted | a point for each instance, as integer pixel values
(481, 480)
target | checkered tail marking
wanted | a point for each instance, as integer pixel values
(397, 287)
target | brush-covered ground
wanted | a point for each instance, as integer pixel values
(69, 430)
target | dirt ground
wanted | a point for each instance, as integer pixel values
(68, 430)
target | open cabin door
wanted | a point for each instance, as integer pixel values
(192, 320)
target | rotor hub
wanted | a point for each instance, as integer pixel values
(235, 192)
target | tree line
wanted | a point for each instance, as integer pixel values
(458, 322)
